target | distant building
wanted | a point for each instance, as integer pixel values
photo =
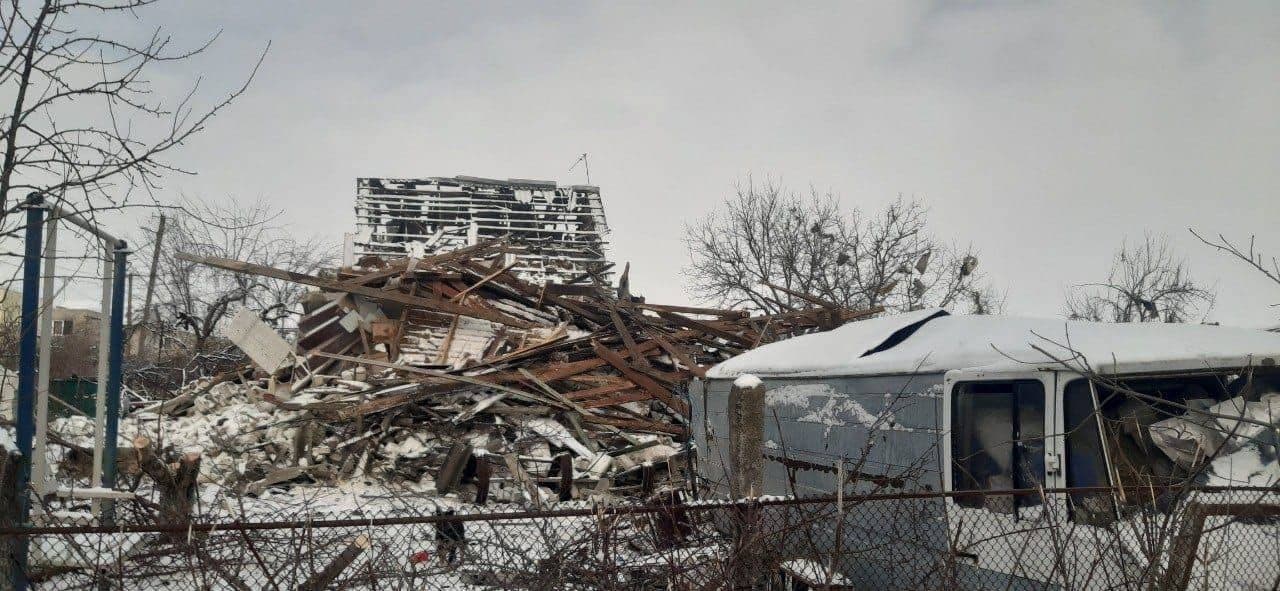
(10, 305)
(562, 229)
(75, 343)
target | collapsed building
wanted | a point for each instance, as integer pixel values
(562, 228)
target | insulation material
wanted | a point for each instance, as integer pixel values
(1239, 452)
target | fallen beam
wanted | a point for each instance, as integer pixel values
(428, 303)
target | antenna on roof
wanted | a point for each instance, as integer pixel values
(585, 165)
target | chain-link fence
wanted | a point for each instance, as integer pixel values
(1139, 539)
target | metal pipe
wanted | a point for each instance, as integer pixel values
(116, 358)
(104, 346)
(62, 213)
(27, 374)
(39, 457)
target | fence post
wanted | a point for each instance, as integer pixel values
(27, 374)
(100, 396)
(746, 437)
(114, 376)
(44, 359)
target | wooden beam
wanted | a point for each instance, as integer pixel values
(693, 310)
(462, 295)
(625, 397)
(706, 327)
(679, 354)
(324, 578)
(392, 402)
(639, 379)
(531, 291)
(399, 265)
(638, 425)
(573, 368)
(565, 464)
(625, 333)
(428, 303)
(589, 393)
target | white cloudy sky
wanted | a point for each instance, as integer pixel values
(1042, 132)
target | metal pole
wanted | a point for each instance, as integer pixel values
(104, 347)
(114, 376)
(40, 459)
(27, 375)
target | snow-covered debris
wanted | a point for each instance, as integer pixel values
(7, 440)
(1240, 451)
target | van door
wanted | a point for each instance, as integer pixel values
(996, 441)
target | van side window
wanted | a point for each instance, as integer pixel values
(997, 442)
(1086, 461)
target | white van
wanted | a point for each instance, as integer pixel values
(925, 402)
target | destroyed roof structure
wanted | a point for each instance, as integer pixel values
(563, 228)
(452, 367)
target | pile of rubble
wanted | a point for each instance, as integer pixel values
(451, 372)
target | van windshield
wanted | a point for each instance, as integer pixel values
(1164, 431)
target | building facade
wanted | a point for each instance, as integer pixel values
(559, 231)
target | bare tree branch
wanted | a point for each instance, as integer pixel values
(766, 236)
(1148, 282)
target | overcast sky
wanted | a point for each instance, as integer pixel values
(1043, 133)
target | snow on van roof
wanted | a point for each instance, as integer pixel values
(931, 341)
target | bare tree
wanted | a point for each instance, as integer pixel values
(82, 123)
(1148, 282)
(766, 236)
(197, 298)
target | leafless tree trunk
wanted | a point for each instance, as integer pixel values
(767, 236)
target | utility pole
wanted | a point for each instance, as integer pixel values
(140, 340)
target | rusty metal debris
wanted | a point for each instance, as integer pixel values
(495, 387)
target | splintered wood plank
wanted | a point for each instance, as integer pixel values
(625, 333)
(398, 266)
(530, 290)
(462, 295)
(554, 340)
(678, 353)
(573, 368)
(732, 314)
(638, 425)
(392, 402)
(611, 388)
(429, 303)
(639, 379)
(706, 327)
(623, 398)
(450, 473)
